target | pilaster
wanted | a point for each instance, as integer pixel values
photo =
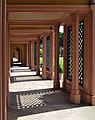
(4, 62)
(38, 56)
(1, 60)
(75, 93)
(32, 55)
(52, 54)
(92, 56)
(65, 56)
(56, 67)
(27, 54)
(44, 76)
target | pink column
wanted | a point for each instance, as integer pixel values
(75, 93)
(7, 60)
(44, 76)
(1, 60)
(56, 67)
(38, 56)
(27, 54)
(65, 57)
(4, 61)
(52, 54)
(91, 69)
(32, 55)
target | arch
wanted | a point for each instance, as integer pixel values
(16, 55)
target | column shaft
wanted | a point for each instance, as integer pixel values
(56, 67)
(65, 57)
(52, 54)
(32, 56)
(7, 60)
(4, 61)
(38, 56)
(91, 72)
(1, 60)
(44, 76)
(75, 93)
(27, 54)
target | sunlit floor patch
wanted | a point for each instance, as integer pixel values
(82, 113)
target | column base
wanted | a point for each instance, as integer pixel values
(75, 97)
(8, 98)
(44, 77)
(33, 67)
(38, 72)
(64, 85)
(93, 100)
(56, 85)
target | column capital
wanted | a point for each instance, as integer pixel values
(56, 27)
(91, 2)
(75, 16)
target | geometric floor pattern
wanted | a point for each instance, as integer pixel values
(32, 98)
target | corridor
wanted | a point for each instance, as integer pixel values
(32, 98)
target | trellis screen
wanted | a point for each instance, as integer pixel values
(81, 52)
(48, 53)
(69, 53)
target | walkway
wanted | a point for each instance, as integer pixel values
(34, 99)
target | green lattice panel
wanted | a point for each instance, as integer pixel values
(69, 53)
(81, 52)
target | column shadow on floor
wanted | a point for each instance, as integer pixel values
(25, 78)
(38, 101)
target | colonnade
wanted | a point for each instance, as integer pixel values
(86, 92)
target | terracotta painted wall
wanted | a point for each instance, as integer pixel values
(23, 52)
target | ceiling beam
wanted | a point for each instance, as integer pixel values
(22, 39)
(24, 35)
(30, 31)
(18, 42)
(46, 8)
(33, 22)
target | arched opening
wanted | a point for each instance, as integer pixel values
(16, 56)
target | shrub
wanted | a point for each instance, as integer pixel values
(41, 52)
(60, 67)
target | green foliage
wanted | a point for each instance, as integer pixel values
(61, 39)
(41, 62)
(60, 64)
(41, 52)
